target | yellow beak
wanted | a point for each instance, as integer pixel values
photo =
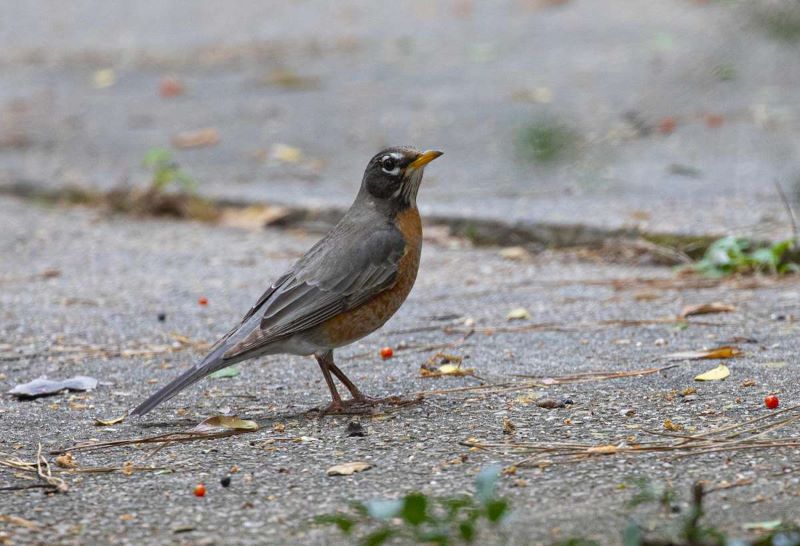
(425, 158)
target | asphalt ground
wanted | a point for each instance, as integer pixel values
(81, 292)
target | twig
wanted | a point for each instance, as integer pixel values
(44, 473)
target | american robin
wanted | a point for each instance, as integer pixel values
(345, 287)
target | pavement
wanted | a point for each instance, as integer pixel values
(81, 292)
(679, 114)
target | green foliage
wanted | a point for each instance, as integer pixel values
(422, 519)
(731, 255)
(545, 141)
(166, 172)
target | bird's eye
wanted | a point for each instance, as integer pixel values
(389, 165)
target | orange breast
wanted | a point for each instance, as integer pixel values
(368, 317)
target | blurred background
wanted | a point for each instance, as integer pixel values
(675, 116)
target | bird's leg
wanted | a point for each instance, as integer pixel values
(325, 361)
(357, 395)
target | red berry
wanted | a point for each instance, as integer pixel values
(667, 125)
(771, 401)
(387, 352)
(203, 301)
(200, 490)
(714, 120)
(170, 87)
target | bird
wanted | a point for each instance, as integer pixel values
(345, 287)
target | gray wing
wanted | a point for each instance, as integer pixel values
(341, 272)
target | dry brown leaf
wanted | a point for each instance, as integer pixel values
(726, 351)
(706, 309)
(217, 423)
(109, 422)
(208, 136)
(66, 461)
(348, 468)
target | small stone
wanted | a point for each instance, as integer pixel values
(627, 412)
(355, 430)
(162, 317)
(225, 481)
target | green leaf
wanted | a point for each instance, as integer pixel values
(378, 537)
(485, 482)
(467, 531)
(495, 510)
(632, 535)
(224, 373)
(344, 523)
(384, 509)
(157, 156)
(415, 506)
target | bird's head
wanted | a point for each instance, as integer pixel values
(393, 176)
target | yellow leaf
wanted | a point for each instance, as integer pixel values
(287, 154)
(520, 313)
(673, 427)
(716, 374)
(109, 422)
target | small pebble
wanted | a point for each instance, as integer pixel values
(355, 430)
(226, 481)
(162, 317)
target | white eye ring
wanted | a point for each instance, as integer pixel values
(392, 162)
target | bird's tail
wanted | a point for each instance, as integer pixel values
(212, 362)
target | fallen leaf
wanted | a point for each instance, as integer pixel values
(549, 403)
(109, 422)
(749, 383)
(224, 373)
(44, 387)
(706, 309)
(348, 468)
(66, 461)
(508, 426)
(103, 78)
(715, 374)
(287, 154)
(127, 468)
(208, 136)
(217, 423)
(442, 364)
(673, 427)
(769, 525)
(520, 313)
(515, 253)
(718, 352)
